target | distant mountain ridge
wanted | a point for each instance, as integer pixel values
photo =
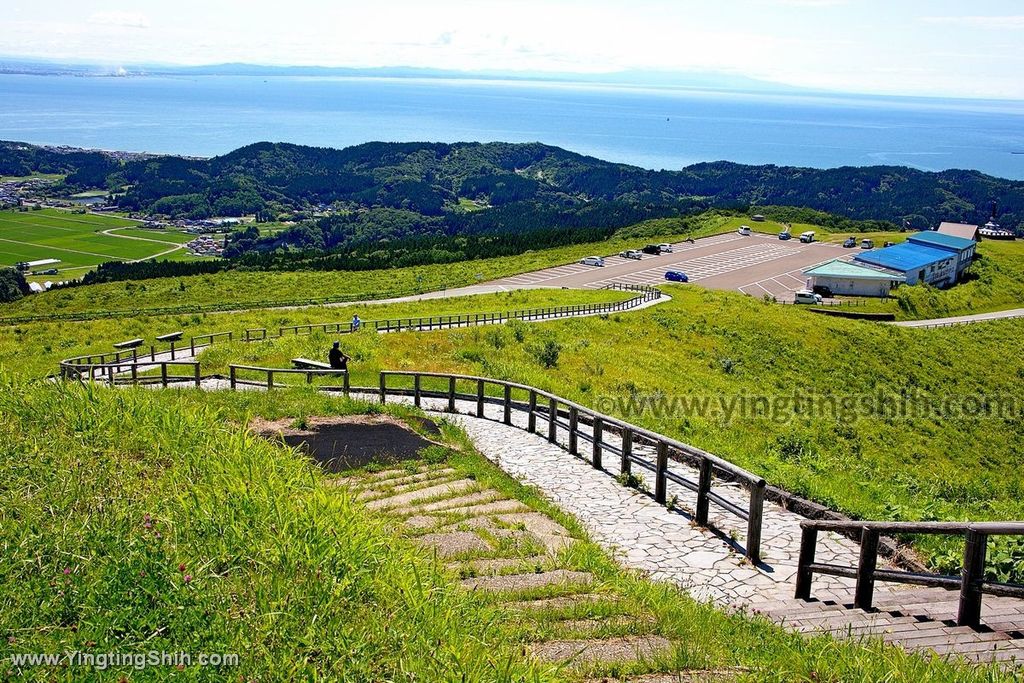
(426, 186)
(653, 78)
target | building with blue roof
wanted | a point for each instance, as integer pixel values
(963, 248)
(917, 262)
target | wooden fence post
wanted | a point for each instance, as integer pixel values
(479, 398)
(531, 419)
(383, 387)
(552, 417)
(451, 394)
(345, 383)
(975, 549)
(598, 433)
(660, 481)
(270, 379)
(232, 378)
(163, 374)
(198, 376)
(627, 451)
(865, 591)
(703, 489)
(508, 404)
(574, 423)
(804, 575)
(754, 520)
(416, 390)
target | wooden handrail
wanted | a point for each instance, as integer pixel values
(575, 413)
(233, 371)
(971, 581)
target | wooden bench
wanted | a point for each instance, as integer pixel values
(307, 364)
(170, 337)
(130, 344)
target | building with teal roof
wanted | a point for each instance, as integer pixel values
(854, 279)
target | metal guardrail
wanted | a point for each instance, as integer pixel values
(234, 370)
(550, 408)
(971, 582)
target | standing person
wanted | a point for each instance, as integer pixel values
(337, 359)
(356, 323)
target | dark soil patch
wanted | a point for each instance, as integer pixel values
(341, 444)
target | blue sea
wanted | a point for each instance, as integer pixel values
(649, 127)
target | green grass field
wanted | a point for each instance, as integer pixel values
(936, 464)
(138, 521)
(76, 239)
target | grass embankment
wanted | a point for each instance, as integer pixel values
(238, 289)
(144, 521)
(138, 521)
(719, 345)
(35, 349)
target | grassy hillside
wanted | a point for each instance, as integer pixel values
(34, 349)
(723, 346)
(121, 533)
(137, 521)
(255, 289)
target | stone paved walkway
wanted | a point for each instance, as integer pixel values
(709, 563)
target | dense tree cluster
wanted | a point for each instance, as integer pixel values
(12, 285)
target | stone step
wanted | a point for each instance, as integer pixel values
(457, 486)
(607, 650)
(493, 507)
(497, 565)
(518, 582)
(453, 543)
(592, 625)
(475, 498)
(376, 493)
(444, 472)
(561, 602)
(687, 676)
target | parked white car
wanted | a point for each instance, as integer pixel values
(744, 230)
(592, 261)
(806, 296)
(807, 237)
(631, 253)
(665, 247)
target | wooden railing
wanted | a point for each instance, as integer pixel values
(440, 322)
(559, 413)
(131, 372)
(269, 373)
(199, 342)
(971, 582)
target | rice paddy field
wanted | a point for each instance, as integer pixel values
(78, 240)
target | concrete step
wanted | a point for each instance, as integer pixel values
(517, 582)
(453, 543)
(445, 489)
(406, 480)
(443, 505)
(485, 567)
(563, 602)
(607, 650)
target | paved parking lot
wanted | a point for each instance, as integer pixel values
(757, 265)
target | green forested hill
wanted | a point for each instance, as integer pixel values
(429, 179)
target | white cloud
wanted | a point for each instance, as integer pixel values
(1012, 22)
(119, 18)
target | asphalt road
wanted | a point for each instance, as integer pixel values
(757, 264)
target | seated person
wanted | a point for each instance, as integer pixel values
(337, 359)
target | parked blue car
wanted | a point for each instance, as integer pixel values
(676, 276)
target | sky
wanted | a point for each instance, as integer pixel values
(913, 47)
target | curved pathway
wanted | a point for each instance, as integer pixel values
(664, 543)
(963, 319)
